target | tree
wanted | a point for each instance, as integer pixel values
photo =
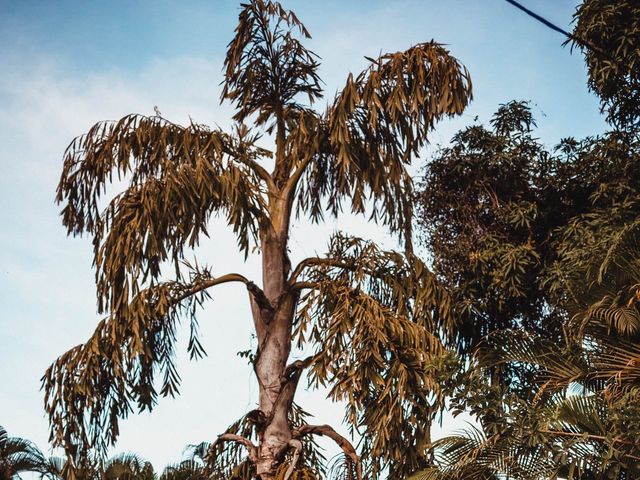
(500, 213)
(373, 318)
(126, 466)
(129, 466)
(540, 249)
(488, 205)
(614, 67)
(18, 455)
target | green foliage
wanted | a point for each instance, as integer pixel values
(540, 249)
(393, 309)
(551, 404)
(577, 418)
(187, 470)
(614, 70)
(508, 222)
(569, 409)
(488, 205)
(18, 455)
(598, 249)
(127, 466)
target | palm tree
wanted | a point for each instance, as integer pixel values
(186, 470)
(127, 466)
(19, 455)
(372, 318)
(582, 418)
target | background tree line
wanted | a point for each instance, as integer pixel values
(540, 250)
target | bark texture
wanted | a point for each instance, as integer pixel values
(273, 318)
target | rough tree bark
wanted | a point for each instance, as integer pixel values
(273, 315)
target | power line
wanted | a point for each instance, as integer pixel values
(569, 35)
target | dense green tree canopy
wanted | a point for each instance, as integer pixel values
(540, 248)
(613, 28)
(541, 251)
(495, 207)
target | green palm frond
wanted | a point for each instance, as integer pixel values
(472, 455)
(559, 365)
(584, 432)
(127, 466)
(186, 470)
(581, 413)
(19, 455)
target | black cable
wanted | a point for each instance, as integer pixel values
(570, 36)
(539, 18)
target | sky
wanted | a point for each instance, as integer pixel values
(65, 65)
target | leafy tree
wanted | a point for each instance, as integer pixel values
(506, 219)
(579, 415)
(614, 68)
(374, 319)
(488, 206)
(567, 439)
(541, 249)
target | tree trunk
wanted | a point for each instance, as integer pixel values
(273, 317)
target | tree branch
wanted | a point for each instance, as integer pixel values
(198, 287)
(230, 437)
(290, 186)
(259, 170)
(316, 261)
(343, 443)
(588, 436)
(303, 285)
(289, 384)
(296, 367)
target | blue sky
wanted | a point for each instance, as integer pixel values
(67, 64)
